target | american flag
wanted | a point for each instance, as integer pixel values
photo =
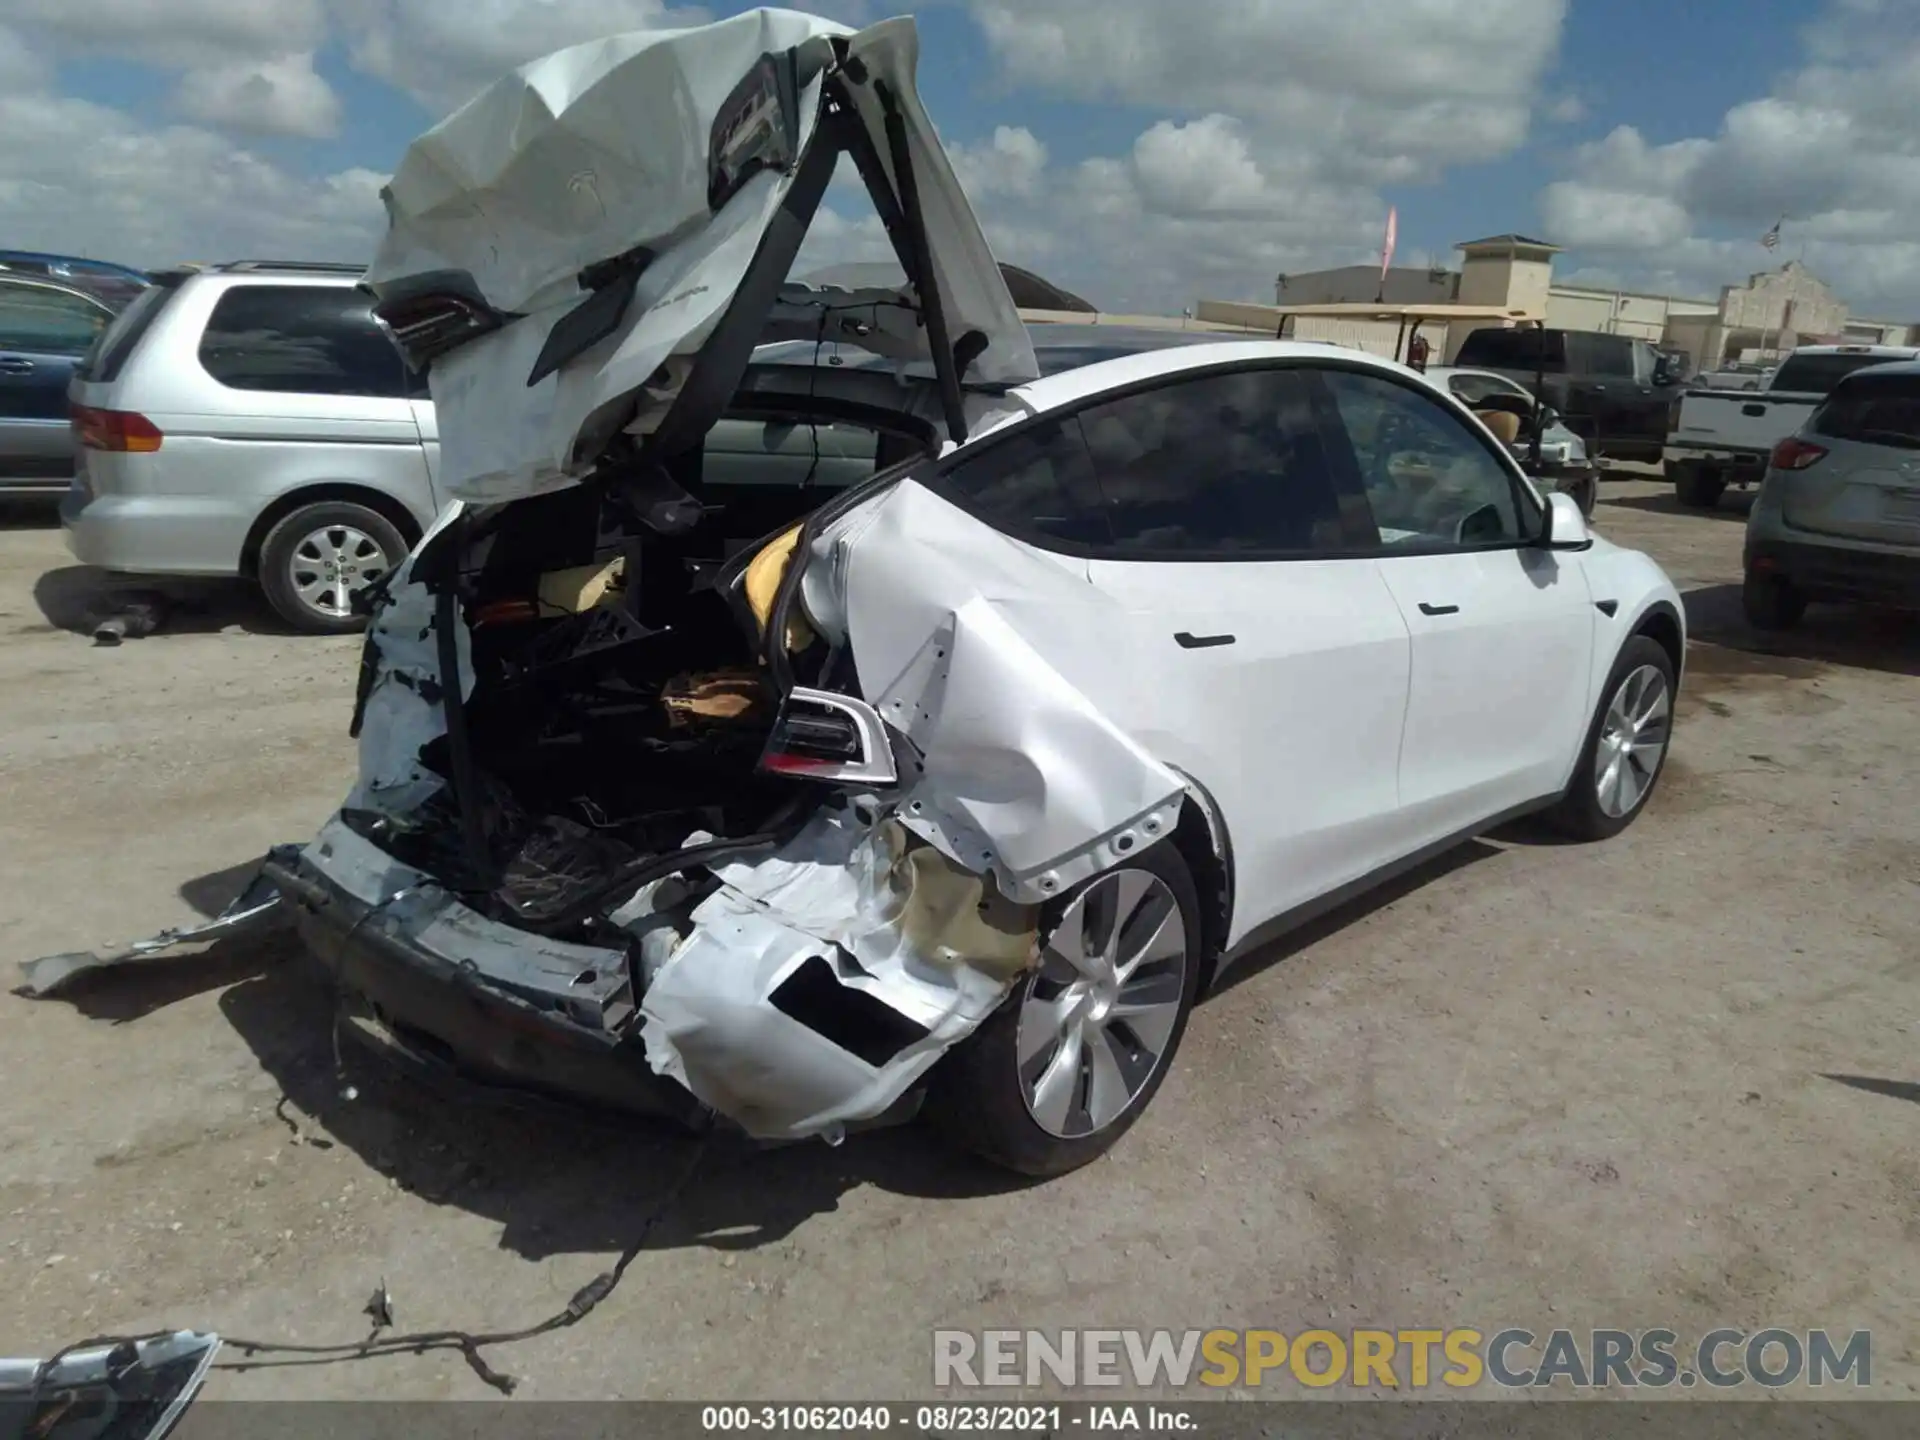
(1772, 238)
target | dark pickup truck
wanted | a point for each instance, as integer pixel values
(1614, 391)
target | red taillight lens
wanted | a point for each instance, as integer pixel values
(120, 430)
(1793, 453)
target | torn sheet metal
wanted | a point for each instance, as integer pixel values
(404, 710)
(959, 635)
(133, 1390)
(602, 150)
(255, 909)
(819, 984)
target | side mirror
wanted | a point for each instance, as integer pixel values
(1549, 417)
(1565, 528)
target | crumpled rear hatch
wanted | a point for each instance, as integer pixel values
(589, 250)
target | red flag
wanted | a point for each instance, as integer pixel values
(1386, 250)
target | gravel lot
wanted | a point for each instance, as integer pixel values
(1666, 1080)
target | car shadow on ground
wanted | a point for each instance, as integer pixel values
(1856, 636)
(1311, 932)
(1732, 506)
(1892, 1089)
(78, 597)
(556, 1179)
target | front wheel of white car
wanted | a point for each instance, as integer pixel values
(1069, 1061)
(1625, 748)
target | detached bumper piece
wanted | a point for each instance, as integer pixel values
(256, 909)
(513, 1014)
(1841, 572)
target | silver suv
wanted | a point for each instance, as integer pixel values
(1838, 515)
(255, 420)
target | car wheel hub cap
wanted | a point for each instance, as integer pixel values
(332, 563)
(1633, 741)
(1098, 1015)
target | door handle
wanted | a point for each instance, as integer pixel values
(1426, 609)
(1753, 409)
(14, 366)
(1188, 641)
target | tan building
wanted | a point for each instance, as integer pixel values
(1771, 313)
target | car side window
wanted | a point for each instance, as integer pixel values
(310, 340)
(1471, 390)
(1036, 484)
(1219, 466)
(40, 321)
(785, 451)
(1431, 482)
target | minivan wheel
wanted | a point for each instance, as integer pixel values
(317, 558)
(1626, 745)
(1054, 1077)
(1771, 602)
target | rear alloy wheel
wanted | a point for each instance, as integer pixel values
(1066, 1065)
(1771, 602)
(316, 559)
(1626, 747)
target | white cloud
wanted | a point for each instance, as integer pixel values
(442, 51)
(1283, 121)
(1392, 80)
(87, 179)
(1009, 164)
(176, 34)
(281, 96)
(1834, 147)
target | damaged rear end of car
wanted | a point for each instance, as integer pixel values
(682, 798)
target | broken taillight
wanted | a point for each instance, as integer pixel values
(427, 326)
(118, 430)
(1793, 453)
(823, 736)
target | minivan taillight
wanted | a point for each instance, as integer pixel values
(120, 430)
(1793, 453)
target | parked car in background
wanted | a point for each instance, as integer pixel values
(102, 277)
(46, 329)
(253, 420)
(1838, 514)
(1724, 437)
(1612, 390)
(1564, 463)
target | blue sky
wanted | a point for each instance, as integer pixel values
(1138, 151)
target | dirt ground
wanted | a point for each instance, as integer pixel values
(1665, 1080)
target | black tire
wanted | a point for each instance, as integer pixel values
(1586, 494)
(1579, 812)
(1771, 602)
(278, 555)
(1697, 486)
(976, 1097)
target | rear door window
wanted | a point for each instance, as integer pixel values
(311, 339)
(1516, 350)
(1874, 409)
(1036, 485)
(1817, 374)
(1471, 390)
(1223, 466)
(37, 320)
